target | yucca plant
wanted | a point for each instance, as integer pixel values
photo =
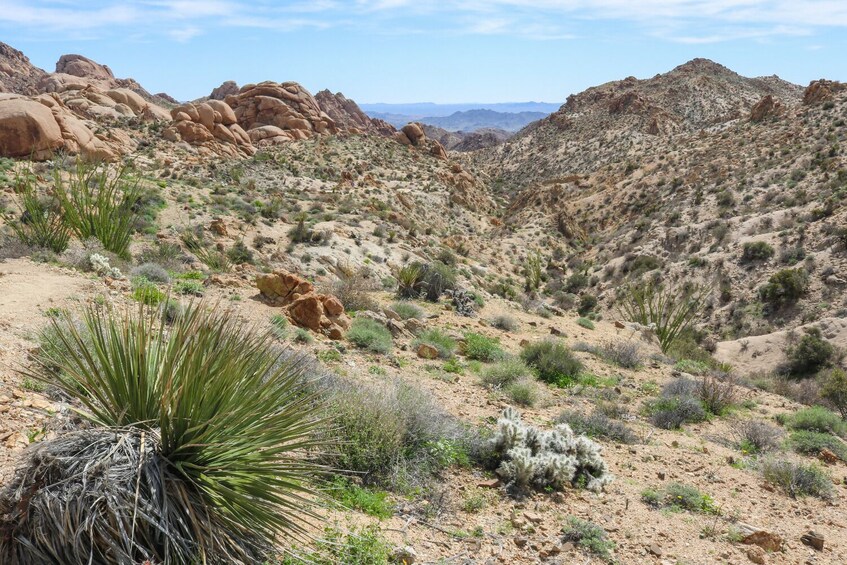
(673, 310)
(198, 452)
(41, 223)
(99, 201)
(410, 281)
(212, 258)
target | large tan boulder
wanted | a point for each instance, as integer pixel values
(210, 125)
(305, 308)
(80, 66)
(28, 129)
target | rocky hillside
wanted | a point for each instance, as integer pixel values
(17, 74)
(466, 140)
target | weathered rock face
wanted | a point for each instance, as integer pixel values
(274, 113)
(80, 66)
(17, 74)
(303, 306)
(210, 125)
(227, 88)
(467, 190)
(37, 127)
(348, 117)
(413, 134)
(821, 90)
(767, 107)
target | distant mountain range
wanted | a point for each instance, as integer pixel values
(510, 116)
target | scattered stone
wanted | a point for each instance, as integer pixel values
(426, 351)
(655, 549)
(813, 539)
(757, 555)
(556, 331)
(828, 456)
(405, 555)
(752, 535)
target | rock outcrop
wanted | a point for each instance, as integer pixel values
(211, 125)
(821, 90)
(348, 117)
(80, 66)
(227, 88)
(413, 135)
(17, 74)
(37, 127)
(305, 308)
(766, 108)
(273, 113)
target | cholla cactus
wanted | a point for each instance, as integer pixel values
(101, 266)
(530, 457)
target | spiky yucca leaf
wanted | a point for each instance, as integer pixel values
(231, 411)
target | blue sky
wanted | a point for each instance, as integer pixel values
(428, 50)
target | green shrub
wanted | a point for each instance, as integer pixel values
(798, 479)
(672, 311)
(585, 323)
(756, 436)
(834, 390)
(146, 292)
(481, 348)
(817, 419)
(151, 272)
(443, 343)
(756, 251)
(409, 281)
(589, 536)
(587, 304)
(506, 372)
(811, 354)
(670, 411)
(691, 367)
(203, 426)
(407, 310)
(812, 443)
(678, 497)
(189, 287)
(524, 392)
(437, 278)
(371, 502)
(785, 287)
(99, 201)
(239, 253)
(554, 362)
(362, 547)
(371, 335)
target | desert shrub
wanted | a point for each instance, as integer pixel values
(198, 425)
(151, 272)
(99, 201)
(505, 372)
(585, 323)
(587, 304)
(436, 278)
(407, 310)
(41, 223)
(576, 282)
(365, 546)
(505, 322)
(393, 435)
(785, 287)
(410, 281)
(670, 310)
(210, 256)
(350, 495)
(443, 343)
(597, 424)
(189, 287)
(626, 354)
(239, 253)
(481, 348)
(811, 354)
(370, 334)
(588, 536)
(354, 290)
(676, 406)
(524, 392)
(146, 292)
(834, 390)
(756, 251)
(817, 419)
(797, 479)
(812, 443)
(717, 395)
(691, 367)
(678, 497)
(756, 436)
(554, 362)
(528, 458)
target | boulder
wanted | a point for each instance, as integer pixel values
(28, 129)
(303, 306)
(80, 66)
(210, 125)
(227, 88)
(765, 108)
(348, 117)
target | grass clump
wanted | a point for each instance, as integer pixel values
(676, 406)
(371, 335)
(678, 497)
(524, 392)
(362, 547)
(755, 437)
(506, 372)
(407, 310)
(797, 479)
(505, 323)
(481, 348)
(597, 425)
(813, 443)
(350, 495)
(443, 343)
(817, 419)
(152, 272)
(202, 425)
(588, 536)
(189, 287)
(585, 323)
(553, 361)
(146, 292)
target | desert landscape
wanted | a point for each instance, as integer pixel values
(264, 327)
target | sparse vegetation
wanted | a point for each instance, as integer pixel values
(443, 343)
(797, 479)
(371, 335)
(554, 362)
(679, 497)
(481, 348)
